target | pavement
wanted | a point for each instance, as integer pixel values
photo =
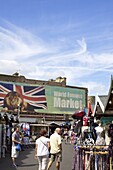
(27, 161)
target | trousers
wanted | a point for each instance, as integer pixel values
(43, 161)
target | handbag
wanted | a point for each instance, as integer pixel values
(18, 147)
(47, 147)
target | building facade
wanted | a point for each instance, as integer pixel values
(37, 102)
(50, 100)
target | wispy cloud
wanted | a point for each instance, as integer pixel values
(16, 42)
(35, 58)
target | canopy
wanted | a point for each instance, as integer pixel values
(78, 114)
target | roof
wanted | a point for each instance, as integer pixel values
(100, 104)
(104, 103)
(109, 104)
(55, 123)
(103, 99)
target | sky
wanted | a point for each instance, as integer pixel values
(46, 39)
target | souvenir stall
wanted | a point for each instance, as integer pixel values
(77, 163)
(6, 123)
(2, 135)
(91, 151)
(0, 140)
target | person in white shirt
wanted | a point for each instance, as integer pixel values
(42, 149)
(56, 149)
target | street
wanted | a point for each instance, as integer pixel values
(27, 160)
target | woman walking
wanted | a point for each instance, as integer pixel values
(42, 150)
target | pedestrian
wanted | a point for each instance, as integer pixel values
(66, 135)
(42, 149)
(70, 135)
(56, 149)
(15, 141)
(73, 137)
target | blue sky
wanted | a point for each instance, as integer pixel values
(45, 39)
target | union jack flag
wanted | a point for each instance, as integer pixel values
(32, 95)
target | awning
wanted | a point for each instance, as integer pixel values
(40, 125)
(28, 119)
(78, 114)
(55, 123)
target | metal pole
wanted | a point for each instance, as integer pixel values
(18, 115)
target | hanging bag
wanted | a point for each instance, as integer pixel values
(18, 147)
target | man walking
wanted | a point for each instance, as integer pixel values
(15, 141)
(56, 149)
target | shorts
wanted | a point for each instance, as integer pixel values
(57, 156)
(14, 152)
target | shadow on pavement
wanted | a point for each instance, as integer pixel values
(26, 160)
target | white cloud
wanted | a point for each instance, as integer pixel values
(98, 88)
(34, 58)
(15, 42)
(8, 66)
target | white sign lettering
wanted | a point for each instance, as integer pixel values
(67, 103)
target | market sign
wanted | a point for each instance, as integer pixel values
(39, 98)
(65, 99)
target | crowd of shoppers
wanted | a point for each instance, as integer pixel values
(47, 150)
(46, 147)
